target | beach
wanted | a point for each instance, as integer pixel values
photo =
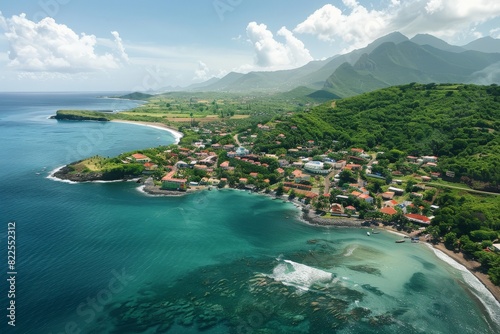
(472, 266)
(177, 135)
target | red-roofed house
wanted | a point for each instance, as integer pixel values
(140, 158)
(224, 165)
(366, 198)
(254, 175)
(419, 219)
(390, 204)
(357, 150)
(149, 166)
(299, 176)
(353, 167)
(169, 183)
(388, 211)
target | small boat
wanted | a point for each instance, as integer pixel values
(400, 241)
(375, 232)
(368, 233)
(415, 240)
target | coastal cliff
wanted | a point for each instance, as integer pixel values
(73, 173)
(76, 116)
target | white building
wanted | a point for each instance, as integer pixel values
(316, 167)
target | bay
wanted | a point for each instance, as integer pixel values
(106, 258)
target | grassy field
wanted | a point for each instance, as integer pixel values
(93, 164)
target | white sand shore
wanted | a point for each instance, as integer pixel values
(177, 135)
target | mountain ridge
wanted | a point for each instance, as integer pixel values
(319, 74)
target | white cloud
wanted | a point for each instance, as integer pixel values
(359, 25)
(47, 46)
(202, 73)
(495, 33)
(119, 46)
(433, 6)
(272, 54)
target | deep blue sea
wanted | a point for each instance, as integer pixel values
(106, 258)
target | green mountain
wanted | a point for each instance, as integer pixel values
(395, 64)
(458, 123)
(426, 39)
(312, 75)
(390, 60)
(263, 81)
(485, 44)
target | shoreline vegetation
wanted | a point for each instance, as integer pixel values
(273, 136)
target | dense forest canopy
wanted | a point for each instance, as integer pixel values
(458, 123)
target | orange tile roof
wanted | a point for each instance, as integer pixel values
(388, 211)
(139, 156)
(420, 218)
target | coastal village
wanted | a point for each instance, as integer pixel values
(350, 183)
(334, 179)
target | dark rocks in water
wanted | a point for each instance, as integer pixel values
(427, 265)
(366, 269)
(372, 289)
(240, 295)
(359, 313)
(381, 320)
(417, 283)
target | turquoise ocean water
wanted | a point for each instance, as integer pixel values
(106, 258)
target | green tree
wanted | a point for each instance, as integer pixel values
(280, 190)
(450, 240)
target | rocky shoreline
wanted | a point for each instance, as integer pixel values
(66, 173)
(314, 219)
(152, 189)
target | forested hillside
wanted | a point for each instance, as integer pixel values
(458, 123)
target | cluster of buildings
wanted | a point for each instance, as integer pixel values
(294, 173)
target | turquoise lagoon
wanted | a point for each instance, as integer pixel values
(107, 258)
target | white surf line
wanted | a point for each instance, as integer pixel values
(177, 135)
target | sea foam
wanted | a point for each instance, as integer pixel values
(478, 288)
(299, 275)
(53, 178)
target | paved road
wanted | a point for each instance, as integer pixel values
(327, 181)
(237, 140)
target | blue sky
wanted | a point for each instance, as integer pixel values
(112, 45)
